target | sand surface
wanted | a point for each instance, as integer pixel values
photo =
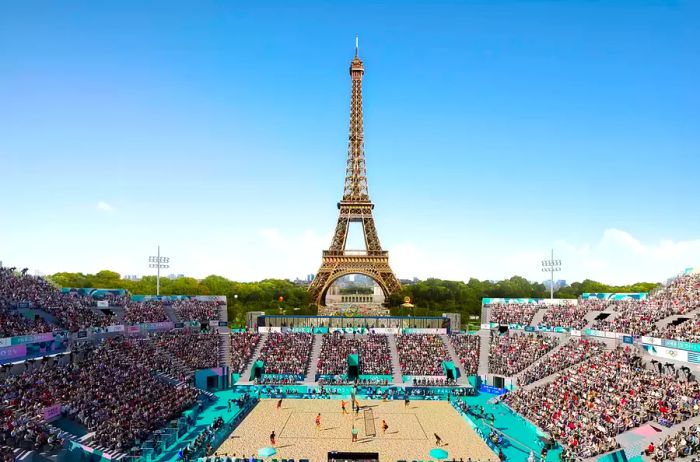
(409, 436)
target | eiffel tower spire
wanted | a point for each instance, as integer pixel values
(356, 171)
(355, 207)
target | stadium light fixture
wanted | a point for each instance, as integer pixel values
(158, 262)
(551, 266)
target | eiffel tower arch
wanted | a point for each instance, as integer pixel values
(354, 207)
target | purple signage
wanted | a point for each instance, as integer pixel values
(52, 412)
(13, 352)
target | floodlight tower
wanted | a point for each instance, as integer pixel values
(551, 266)
(158, 262)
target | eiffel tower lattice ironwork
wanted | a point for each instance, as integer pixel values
(355, 207)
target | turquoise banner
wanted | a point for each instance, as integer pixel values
(97, 294)
(492, 301)
(680, 345)
(614, 296)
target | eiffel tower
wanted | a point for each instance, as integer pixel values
(356, 207)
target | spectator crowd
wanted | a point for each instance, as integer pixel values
(467, 348)
(639, 317)
(287, 353)
(687, 331)
(372, 350)
(592, 402)
(194, 350)
(196, 310)
(110, 389)
(243, 345)
(513, 313)
(510, 354)
(568, 315)
(12, 323)
(684, 443)
(421, 354)
(572, 352)
(71, 310)
(145, 311)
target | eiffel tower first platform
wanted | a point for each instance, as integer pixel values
(355, 206)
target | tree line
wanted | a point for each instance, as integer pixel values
(278, 296)
(437, 296)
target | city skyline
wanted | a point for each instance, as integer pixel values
(493, 134)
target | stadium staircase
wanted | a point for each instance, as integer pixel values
(665, 322)
(169, 379)
(313, 359)
(462, 379)
(395, 364)
(485, 335)
(223, 313)
(23, 454)
(87, 441)
(245, 375)
(538, 317)
(224, 349)
(591, 315)
(170, 312)
(656, 438)
(118, 313)
(563, 340)
(48, 317)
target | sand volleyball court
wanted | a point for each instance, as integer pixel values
(410, 435)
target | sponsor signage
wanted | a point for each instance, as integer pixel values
(52, 412)
(33, 338)
(492, 390)
(424, 331)
(385, 330)
(667, 353)
(13, 352)
(688, 346)
(166, 325)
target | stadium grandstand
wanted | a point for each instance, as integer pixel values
(95, 374)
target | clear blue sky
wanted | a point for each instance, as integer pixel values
(494, 131)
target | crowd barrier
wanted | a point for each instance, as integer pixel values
(19, 348)
(614, 296)
(678, 350)
(172, 298)
(528, 301)
(23, 347)
(360, 391)
(352, 330)
(343, 378)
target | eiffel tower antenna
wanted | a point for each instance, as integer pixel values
(357, 44)
(355, 207)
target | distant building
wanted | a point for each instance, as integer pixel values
(175, 276)
(310, 277)
(132, 277)
(557, 284)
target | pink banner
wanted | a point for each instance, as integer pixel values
(12, 352)
(52, 412)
